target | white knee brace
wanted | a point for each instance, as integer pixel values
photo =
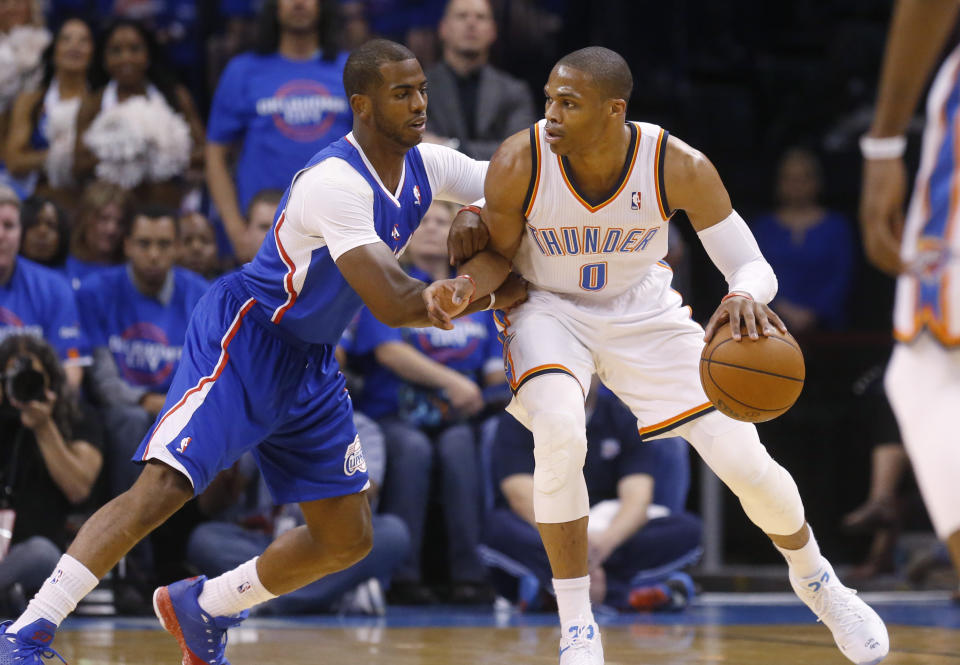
(560, 447)
(733, 450)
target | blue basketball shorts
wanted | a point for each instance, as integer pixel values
(244, 384)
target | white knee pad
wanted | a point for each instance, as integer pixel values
(733, 450)
(560, 447)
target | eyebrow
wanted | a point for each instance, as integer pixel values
(562, 92)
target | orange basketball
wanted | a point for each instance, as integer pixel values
(752, 380)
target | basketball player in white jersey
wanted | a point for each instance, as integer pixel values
(923, 377)
(580, 206)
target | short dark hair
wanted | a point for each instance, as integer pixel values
(607, 68)
(362, 71)
(154, 211)
(272, 196)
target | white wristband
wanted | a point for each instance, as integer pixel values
(887, 147)
(493, 299)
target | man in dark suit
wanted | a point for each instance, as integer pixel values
(473, 106)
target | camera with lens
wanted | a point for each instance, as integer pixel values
(24, 382)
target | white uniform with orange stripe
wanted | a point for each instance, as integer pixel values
(600, 298)
(923, 380)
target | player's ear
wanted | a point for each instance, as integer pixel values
(361, 105)
(618, 107)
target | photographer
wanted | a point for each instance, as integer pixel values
(49, 460)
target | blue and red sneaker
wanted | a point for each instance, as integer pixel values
(202, 638)
(28, 645)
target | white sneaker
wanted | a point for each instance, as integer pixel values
(857, 629)
(580, 643)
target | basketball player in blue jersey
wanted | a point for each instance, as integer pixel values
(923, 377)
(580, 205)
(258, 373)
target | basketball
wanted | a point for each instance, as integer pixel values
(752, 380)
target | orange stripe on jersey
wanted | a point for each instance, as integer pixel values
(536, 156)
(656, 176)
(288, 278)
(210, 378)
(665, 425)
(623, 183)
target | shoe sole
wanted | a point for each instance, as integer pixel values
(163, 608)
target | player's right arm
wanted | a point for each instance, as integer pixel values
(505, 188)
(693, 185)
(918, 31)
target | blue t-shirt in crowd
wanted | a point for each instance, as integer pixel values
(39, 301)
(471, 348)
(144, 335)
(614, 450)
(283, 111)
(76, 270)
(817, 272)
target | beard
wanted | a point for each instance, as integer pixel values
(396, 133)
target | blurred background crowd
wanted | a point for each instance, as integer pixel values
(145, 145)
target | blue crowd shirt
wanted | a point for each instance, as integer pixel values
(39, 301)
(817, 272)
(283, 111)
(144, 335)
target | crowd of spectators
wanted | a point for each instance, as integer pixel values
(144, 148)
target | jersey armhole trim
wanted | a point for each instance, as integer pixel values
(534, 172)
(661, 151)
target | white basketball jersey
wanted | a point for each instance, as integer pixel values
(594, 248)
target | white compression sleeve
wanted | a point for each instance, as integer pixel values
(733, 249)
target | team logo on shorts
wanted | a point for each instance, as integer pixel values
(634, 200)
(353, 460)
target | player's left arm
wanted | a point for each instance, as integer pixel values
(693, 185)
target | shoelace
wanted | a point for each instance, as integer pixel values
(836, 601)
(34, 652)
(27, 652)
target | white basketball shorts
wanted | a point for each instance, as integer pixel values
(642, 344)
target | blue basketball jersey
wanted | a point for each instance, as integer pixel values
(293, 276)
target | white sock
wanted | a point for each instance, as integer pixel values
(573, 598)
(234, 591)
(806, 561)
(59, 595)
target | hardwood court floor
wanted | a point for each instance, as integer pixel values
(634, 645)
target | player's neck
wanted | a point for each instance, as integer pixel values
(598, 168)
(385, 155)
(298, 45)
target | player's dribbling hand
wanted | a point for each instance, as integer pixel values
(468, 235)
(741, 310)
(881, 212)
(446, 298)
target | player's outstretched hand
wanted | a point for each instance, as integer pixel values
(881, 212)
(740, 310)
(468, 235)
(446, 298)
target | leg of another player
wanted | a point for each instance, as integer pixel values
(106, 537)
(555, 411)
(338, 533)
